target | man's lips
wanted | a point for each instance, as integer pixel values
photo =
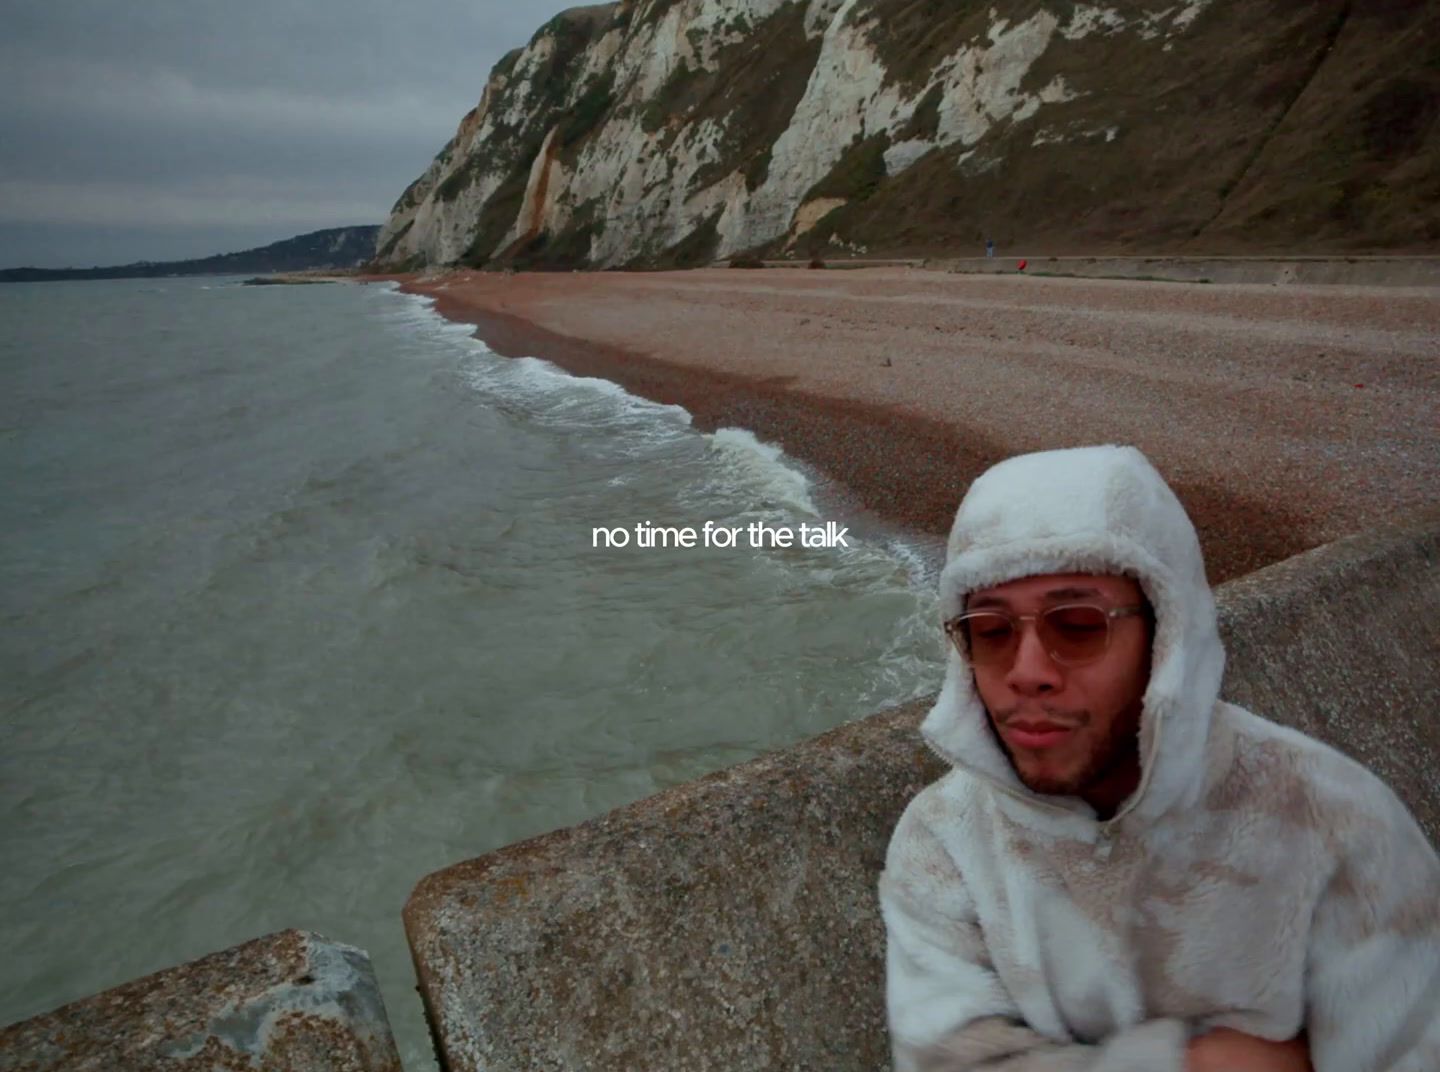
(1024, 733)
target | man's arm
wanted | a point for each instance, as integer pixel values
(1226, 1050)
(948, 1009)
(1373, 972)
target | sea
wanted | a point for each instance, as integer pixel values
(303, 599)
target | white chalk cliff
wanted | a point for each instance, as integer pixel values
(681, 131)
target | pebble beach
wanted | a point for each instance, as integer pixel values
(1284, 416)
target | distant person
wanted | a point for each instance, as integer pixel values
(989, 247)
(1123, 873)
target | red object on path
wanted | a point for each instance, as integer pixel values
(1022, 265)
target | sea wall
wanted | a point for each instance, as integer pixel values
(731, 923)
(1310, 271)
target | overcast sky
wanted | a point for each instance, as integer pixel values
(166, 129)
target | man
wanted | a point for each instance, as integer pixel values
(1123, 873)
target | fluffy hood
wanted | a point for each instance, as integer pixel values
(1089, 510)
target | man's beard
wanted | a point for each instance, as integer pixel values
(1115, 751)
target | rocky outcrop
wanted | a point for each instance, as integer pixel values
(673, 132)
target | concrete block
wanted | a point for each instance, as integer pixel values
(288, 1002)
(730, 923)
(1343, 642)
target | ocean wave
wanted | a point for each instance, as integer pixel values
(730, 476)
(763, 466)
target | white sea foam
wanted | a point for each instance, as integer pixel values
(755, 475)
(923, 569)
(764, 465)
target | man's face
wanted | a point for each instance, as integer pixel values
(1066, 728)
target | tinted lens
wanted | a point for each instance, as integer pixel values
(989, 637)
(1075, 634)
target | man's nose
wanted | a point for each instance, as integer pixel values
(1033, 670)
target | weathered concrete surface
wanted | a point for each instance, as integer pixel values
(732, 923)
(726, 924)
(1395, 271)
(288, 1002)
(1343, 642)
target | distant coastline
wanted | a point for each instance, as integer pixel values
(331, 249)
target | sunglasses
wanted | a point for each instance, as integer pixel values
(1073, 634)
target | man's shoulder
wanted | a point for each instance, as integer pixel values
(947, 806)
(951, 797)
(921, 871)
(1277, 768)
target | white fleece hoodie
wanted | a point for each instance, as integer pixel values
(1256, 879)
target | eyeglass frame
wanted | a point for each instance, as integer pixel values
(955, 630)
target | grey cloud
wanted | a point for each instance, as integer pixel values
(153, 118)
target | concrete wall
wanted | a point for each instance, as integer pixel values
(289, 1002)
(1341, 271)
(731, 923)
